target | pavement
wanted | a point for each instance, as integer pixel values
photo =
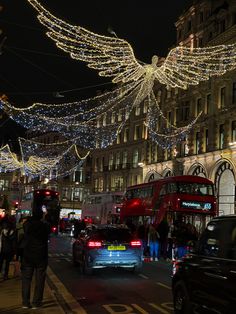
(57, 299)
(11, 303)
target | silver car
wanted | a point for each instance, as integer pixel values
(107, 246)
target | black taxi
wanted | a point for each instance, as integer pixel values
(205, 279)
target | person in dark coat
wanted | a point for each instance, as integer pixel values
(35, 259)
(8, 241)
(163, 230)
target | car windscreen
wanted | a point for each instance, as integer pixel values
(120, 235)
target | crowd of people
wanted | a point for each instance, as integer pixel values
(165, 240)
(26, 243)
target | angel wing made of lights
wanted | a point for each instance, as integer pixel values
(114, 57)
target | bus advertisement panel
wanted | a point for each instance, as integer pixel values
(191, 196)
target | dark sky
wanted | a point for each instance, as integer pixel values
(33, 68)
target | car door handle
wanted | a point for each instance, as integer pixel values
(215, 276)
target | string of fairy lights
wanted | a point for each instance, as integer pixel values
(54, 160)
(96, 122)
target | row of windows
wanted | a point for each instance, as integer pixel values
(182, 113)
(169, 188)
(117, 161)
(221, 137)
(219, 26)
(122, 115)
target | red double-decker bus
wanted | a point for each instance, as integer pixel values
(191, 196)
(42, 200)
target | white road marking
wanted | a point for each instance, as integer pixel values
(70, 300)
(143, 276)
(163, 285)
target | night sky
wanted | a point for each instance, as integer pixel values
(34, 69)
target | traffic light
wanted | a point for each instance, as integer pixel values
(16, 205)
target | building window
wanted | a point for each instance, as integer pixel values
(137, 110)
(221, 136)
(124, 159)
(4, 184)
(197, 142)
(113, 117)
(126, 135)
(201, 17)
(120, 115)
(127, 113)
(137, 132)
(135, 158)
(208, 103)
(111, 160)
(234, 93)
(189, 25)
(145, 106)
(96, 165)
(117, 160)
(102, 163)
(169, 118)
(222, 97)
(206, 140)
(104, 120)
(222, 26)
(233, 131)
(145, 132)
(118, 138)
(185, 112)
(179, 33)
(199, 105)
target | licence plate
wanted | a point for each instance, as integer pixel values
(116, 248)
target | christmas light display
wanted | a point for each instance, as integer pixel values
(96, 122)
(170, 135)
(8, 160)
(114, 57)
(57, 159)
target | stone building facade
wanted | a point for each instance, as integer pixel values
(209, 150)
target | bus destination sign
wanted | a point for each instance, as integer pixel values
(196, 205)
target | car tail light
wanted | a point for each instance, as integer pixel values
(54, 229)
(94, 244)
(135, 243)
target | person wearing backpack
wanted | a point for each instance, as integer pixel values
(7, 247)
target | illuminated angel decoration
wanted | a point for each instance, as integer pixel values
(114, 57)
(54, 160)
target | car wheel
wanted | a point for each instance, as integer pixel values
(138, 268)
(182, 304)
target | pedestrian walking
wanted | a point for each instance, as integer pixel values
(7, 247)
(153, 242)
(35, 259)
